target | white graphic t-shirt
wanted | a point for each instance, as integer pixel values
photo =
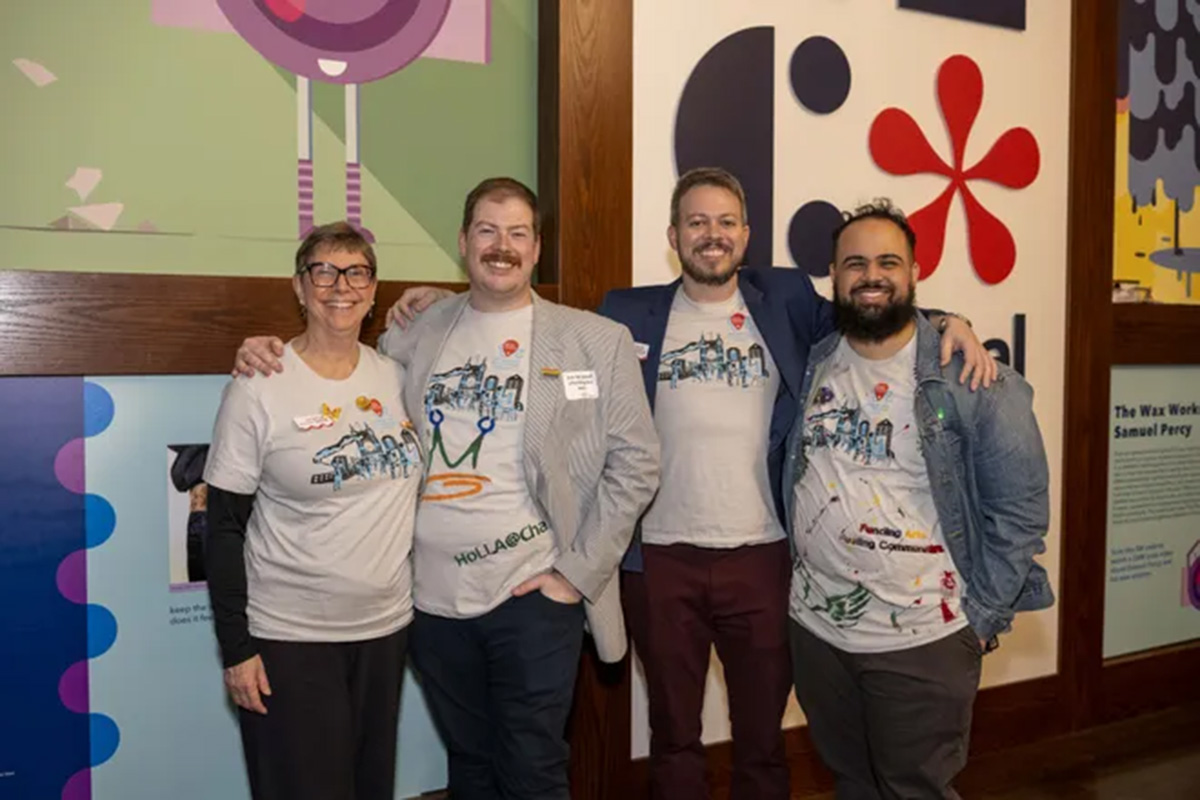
(479, 532)
(716, 390)
(872, 573)
(334, 466)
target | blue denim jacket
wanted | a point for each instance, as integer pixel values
(988, 474)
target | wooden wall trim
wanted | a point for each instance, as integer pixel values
(585, 180)
(79, 323)
(1100, 335)
(589, 175)
(1156, 334)
(548, 133)
(1089, 353)
(1151, 681)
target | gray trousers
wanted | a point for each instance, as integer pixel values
(890, 726)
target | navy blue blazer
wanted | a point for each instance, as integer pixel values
(789, 313)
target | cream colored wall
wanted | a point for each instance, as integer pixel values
(894, 57)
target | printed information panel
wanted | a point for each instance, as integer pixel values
(1153, 593)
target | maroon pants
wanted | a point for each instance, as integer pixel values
(687, 600)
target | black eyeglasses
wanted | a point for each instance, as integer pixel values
(323, 275)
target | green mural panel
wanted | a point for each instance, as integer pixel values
(194, 136)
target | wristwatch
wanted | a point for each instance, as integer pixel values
(941, 328)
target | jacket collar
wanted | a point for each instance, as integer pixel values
(777, 334)
(929, 351)
(929, 347)
(657, 316)
(661, 309)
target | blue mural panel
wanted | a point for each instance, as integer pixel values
(44, 737)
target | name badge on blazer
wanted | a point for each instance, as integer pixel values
(580, 385)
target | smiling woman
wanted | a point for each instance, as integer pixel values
(335, 285)
(313, 479)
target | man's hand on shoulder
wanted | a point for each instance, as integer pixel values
(414, 301)
(259, 354)
(978, 363)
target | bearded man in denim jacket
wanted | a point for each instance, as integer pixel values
(915, 510)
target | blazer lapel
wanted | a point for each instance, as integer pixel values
(657, 318)
(545, 386)
(776, 333)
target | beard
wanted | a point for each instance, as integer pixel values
(694, 271)
(873, 323)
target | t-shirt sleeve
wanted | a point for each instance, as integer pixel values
(239, 440)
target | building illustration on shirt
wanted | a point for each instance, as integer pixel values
(714, 362)
(470, 387)
(851, 432)
(364, 455)
(466, 389)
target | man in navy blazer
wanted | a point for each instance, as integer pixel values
(723, 352)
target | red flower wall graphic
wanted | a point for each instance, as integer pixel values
(899, 147)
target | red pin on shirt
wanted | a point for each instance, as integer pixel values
(881, 390)
(738, 319)
(510, 347)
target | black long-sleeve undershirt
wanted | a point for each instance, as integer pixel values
(224, 560)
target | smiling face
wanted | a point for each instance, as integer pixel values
(338, 41)
(711, 235)
(500, 248)
(338, 309)
(874, 280)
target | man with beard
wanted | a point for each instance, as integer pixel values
(915, 510)
(541, 455)
(723, 354)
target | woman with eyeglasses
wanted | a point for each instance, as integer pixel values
(313, 476)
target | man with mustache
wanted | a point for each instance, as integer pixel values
(916, 508)
(723, 353)
(541, 456)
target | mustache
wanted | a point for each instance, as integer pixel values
(493, 256)
(867, 286)
(704, 244)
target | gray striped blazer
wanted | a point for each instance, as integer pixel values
(590, 465)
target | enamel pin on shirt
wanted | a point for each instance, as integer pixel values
(365, 403)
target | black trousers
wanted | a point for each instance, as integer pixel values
(330, 728)
(890, 726)
(499, 687)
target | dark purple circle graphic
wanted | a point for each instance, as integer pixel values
(820, 74)
(1194, 584)
(810, 236)
(338, 41)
